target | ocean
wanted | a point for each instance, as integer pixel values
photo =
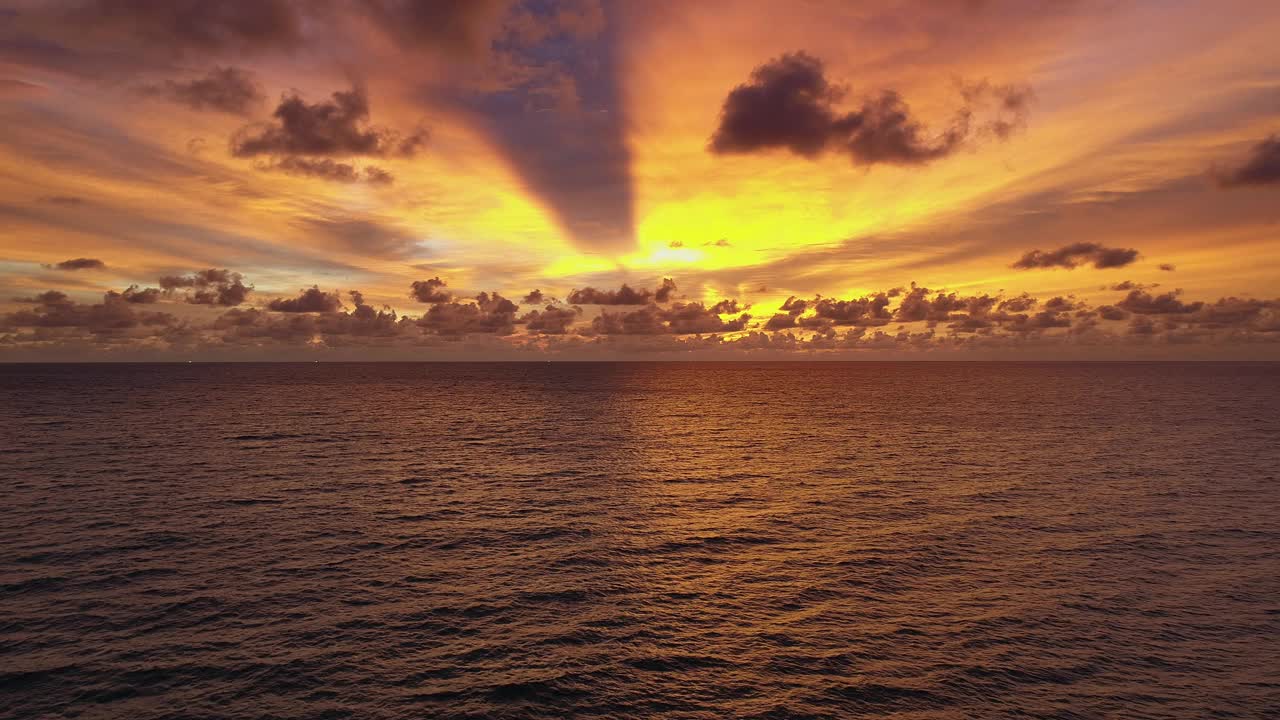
(618, 540)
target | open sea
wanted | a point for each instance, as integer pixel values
(636, 540)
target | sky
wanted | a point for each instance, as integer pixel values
(627, 179)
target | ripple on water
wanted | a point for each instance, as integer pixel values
(640, 540)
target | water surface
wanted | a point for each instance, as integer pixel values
(640, 540)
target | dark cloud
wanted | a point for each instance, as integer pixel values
(330, 169)
(1141, 302)
(1076, 254)
(1233, 312)
(1131, 285)
(884, 131)
(315, 320)
(461, 27)
(375, 175)
(550, 320)
(780, 321)
(430, 291)
(1019, 304)
(1061, 304)
(665, 290)
(338, 127)
(49, 297)
(141, 296)
(534, 298)
(694, 317)
(1262, 167)
(362, 236)
(624, 295)
(489, 314)
(184, 26)
(1111, 312)
(964, 314)
(1168, 267)
(323, 168)
(645, 321)
(312, 300)
(789, 103)
(859, 311)
(794, 305)
(363, 323)
(1043, 320)
(727, 307)
(209, 287)
(224, 89)
(115, 315)
(79, 264)
(678, 319)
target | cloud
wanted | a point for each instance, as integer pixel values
(323, 168)
(1168, 267)
(1143, 303)
(49, 297)
(489, 314)
(727, 307)
(185, 26)
(1234, 312)
(1111, 312)
(788, 103)
(859, 311)
(665, 290)
(311, 300)
(916, 306)
(329, 169)
(375, 175)
(1076, 254)
(1262, 167)
(462, 27)
(678, 319)
(780, 321)
(209, 287)
(694, 317)
(114, 315)
(550, 320)
(363, 236)
(1131, 285)
(429, 291)
(364, 324)
(135, 294)
(533, 298)
(338, 127)
(645, 321)
(79, 264)
(624, 295)
(315, 322)
(224, 89)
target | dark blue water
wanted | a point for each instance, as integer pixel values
(640, 540)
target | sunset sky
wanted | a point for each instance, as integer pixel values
(389, 179)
